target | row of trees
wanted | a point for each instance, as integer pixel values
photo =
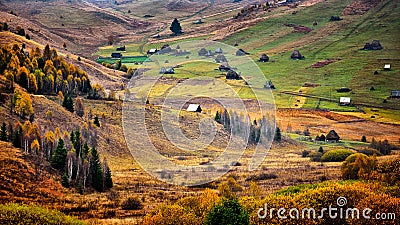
(41, 72)
(239, 124)
(80, 165)
(384, 147)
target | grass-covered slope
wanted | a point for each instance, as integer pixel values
(340, 40)
(33, 215)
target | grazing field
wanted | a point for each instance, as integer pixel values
(124, 59)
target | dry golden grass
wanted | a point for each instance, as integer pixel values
(25, 179)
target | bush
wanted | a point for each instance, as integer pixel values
(263, 176)
(369, 152)
(132, 203)
(32, 215)
(357, 166)
(305, 153)
(227, 212)
(363, 139)
(315, 156)
(390, 171)
(336, 155)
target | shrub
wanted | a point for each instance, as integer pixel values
(357, 166)
(336, 155)
(227, 212)
(369, 152)
(263, 176)
(363, 139)
(315, 156)
(32, 215)
(390, 171)
(305, 153)
(132, 203)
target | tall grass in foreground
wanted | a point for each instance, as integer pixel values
(13, 214)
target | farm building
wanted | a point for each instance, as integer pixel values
(241, 52)
(224, 67)
(202, 52)
(152, 51)
(220, 59)
(122, 48)
(209, 53)
(395, 94)
(156, 36)
(387, 67)
(116, 55)
(344, 101)
(264, 58)
(218, 51)
(169, 70)
(194, 108)
(199, 21)
(343, 89)
(269, 85)
(332, 136)
(232, 75)
(166, 48)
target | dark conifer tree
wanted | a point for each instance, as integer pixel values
(59, 156)
(3, 132)
(278, 135)
(108, 182)
(16, 141)
(217, 117)
(96, 171)
(176, 27)
(68, 103)
(96, 121)
(85, 150)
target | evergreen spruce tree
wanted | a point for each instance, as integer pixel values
(176, 27)
(96, 171)
(16, 141)
(77, 144)
(278, 135)
(68, 103)
(108, 183)
(64, 180)
(363, 139)
(321, 150)
(59, 156)
(85, 150)
(217, 117)
(3, 132)
(96, 121)
(72, 137)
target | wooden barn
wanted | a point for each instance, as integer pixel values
(332, 136)
(116, 55)
(344, 101)
(194, 108)
(395, 94)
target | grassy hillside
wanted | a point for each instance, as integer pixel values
(341, 40)
(24, 179)
(34, 215)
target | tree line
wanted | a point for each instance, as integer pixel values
(253, 132)
(79, 164)
(43, 72)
